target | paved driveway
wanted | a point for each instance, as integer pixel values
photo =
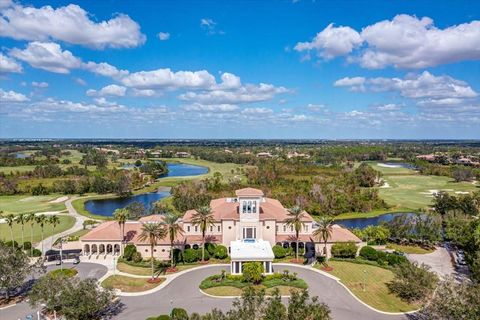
(439, 261)
(85, 270)
(183, 292)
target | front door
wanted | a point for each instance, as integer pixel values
(249, 233)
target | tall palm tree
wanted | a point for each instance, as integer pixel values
(324, 232)
(10, 220)
(152, 232)
(54, 221)
(295, 216)
(31, 219)
(21, 219)
(41, 220)
(173, 227)
(121, 216)
(203, 217)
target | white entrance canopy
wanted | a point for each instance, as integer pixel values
(250, 250)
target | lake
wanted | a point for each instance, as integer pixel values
(106, 207)
(365, 222)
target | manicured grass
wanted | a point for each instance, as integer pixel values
(269, 282)
(409, 249)
(66, 222)
(64, 272)
(26, 203)
(79, 233)
(390, 171)
(232, 291)
(376, 292)
(138, 271)
(129, 284)
(10, 170)
(408, 190)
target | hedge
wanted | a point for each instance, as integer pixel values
(191, 255)
(221, 252)
(344, 249)
(279, 252)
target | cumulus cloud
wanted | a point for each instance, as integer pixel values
(258, 111)
(167, 79)
(104, 69)
(415, 86)
(403, 42)
(110, 90)
(210, 26)
(12, 96)
(47, 56)
(163, 36)
(332, 42)
(9, 65)
(70, 24)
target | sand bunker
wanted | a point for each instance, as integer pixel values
(384, 165)
(462, 192)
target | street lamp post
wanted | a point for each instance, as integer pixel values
(364, 279)
(61, 253)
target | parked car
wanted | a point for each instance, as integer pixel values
(76, 260)
(59, 262)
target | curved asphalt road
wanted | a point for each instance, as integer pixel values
(183, 292)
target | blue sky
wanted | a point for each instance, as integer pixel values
(240, 69)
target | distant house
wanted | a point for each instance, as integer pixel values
(182, 154)
(297, 155)
(427, 157)
(264, 155)
(156, 154)
(228, 151)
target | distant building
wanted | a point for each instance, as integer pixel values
(182, 154)
(297, 155)
(427, 157)
(264, 155)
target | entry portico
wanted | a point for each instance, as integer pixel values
(251, 250)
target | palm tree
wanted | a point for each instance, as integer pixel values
(170, 221)
(203, 217)
(121, 216)
(21, 219)
(152, 232)
(295, 216)
(54, 221)
(31, 218)
(10, 220)
(324, 232)
(41, 220)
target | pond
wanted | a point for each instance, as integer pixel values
(106, 207)
(397, 165)
(365, 222)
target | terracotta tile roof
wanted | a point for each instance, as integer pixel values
(222, 209)
(152, 218)
(249, 192)
(339, 234)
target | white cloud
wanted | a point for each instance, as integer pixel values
(104, 69)
(110, 90)
(8, 64)
(166, 79)
(70, 24)
(332, 42)
(163, 36)
(258, 111)
(210, 107)
(354, 84)
(80, 81)
(419, 86)
(144, 93)
(12, 96)
(403, 42)
(210, 26)
(41, 84)
(47, 56)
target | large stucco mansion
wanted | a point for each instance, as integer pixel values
(248, 224)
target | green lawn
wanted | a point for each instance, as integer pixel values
(129, 284)
(66, 222)
(376, 292)
(9, 170)
(26, 203)
(409, 249)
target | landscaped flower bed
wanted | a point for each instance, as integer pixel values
(64, 272)
(285, 281)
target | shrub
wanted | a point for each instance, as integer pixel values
(190, 255)
(252, 272)
(27, 245)
(64, 272)
(35, 253)
(128, 252)
(395, 259)
(179, 314)
(368, 253)
(210, 248)
(412, 282)
(221, 252)
(344, 250)
(199, 254)
(177, 255)
(9, 244)
(137, 257)
(279, 252)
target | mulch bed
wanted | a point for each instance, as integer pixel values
(326, 269)
(171, 270)
(203, 262)
(155, 280)
(10, 302)
(297, 261)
